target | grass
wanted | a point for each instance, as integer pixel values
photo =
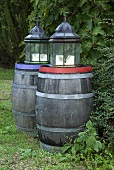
(19, 151)
(6, 74)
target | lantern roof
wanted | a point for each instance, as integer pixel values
(64, 31)
(36, 33)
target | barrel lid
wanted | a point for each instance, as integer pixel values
(66, 70)
(23, 66)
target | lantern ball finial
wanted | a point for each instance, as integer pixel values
(37, 20)
(65, 14)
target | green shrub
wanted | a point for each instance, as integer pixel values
(103, 115)
(92, 20)
(89, 150)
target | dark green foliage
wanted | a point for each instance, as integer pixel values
(89, 149)
(13, 29)
(103, 116)
(92, 20)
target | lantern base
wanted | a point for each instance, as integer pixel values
(67, 66)
(36, 62)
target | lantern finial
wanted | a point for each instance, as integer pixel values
(37, 19)
(65, 16)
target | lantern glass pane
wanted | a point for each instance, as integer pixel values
(56, 50)
(69, 53)
(77, 59)
(34, 51)
(43, 52)
(27, 51)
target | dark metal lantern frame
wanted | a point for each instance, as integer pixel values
(36, 48)
(65, 46)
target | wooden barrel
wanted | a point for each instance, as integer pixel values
(24, 97)
(64, 103)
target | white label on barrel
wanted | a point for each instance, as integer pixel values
(35, 57)
(59, 59)
(70, 60)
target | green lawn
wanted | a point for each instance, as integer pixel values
(6, 74)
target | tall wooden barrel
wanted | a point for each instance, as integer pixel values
(64, 103)
(24, 97)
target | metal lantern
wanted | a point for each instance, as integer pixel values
(64, 46)
(36, 48)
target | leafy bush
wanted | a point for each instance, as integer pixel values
(103, 115)
(89, 149)
(92, 20)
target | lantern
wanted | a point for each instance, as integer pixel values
(36, 48)
(64, 46)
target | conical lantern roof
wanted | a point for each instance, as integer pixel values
(64, 31)
(36, 33)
